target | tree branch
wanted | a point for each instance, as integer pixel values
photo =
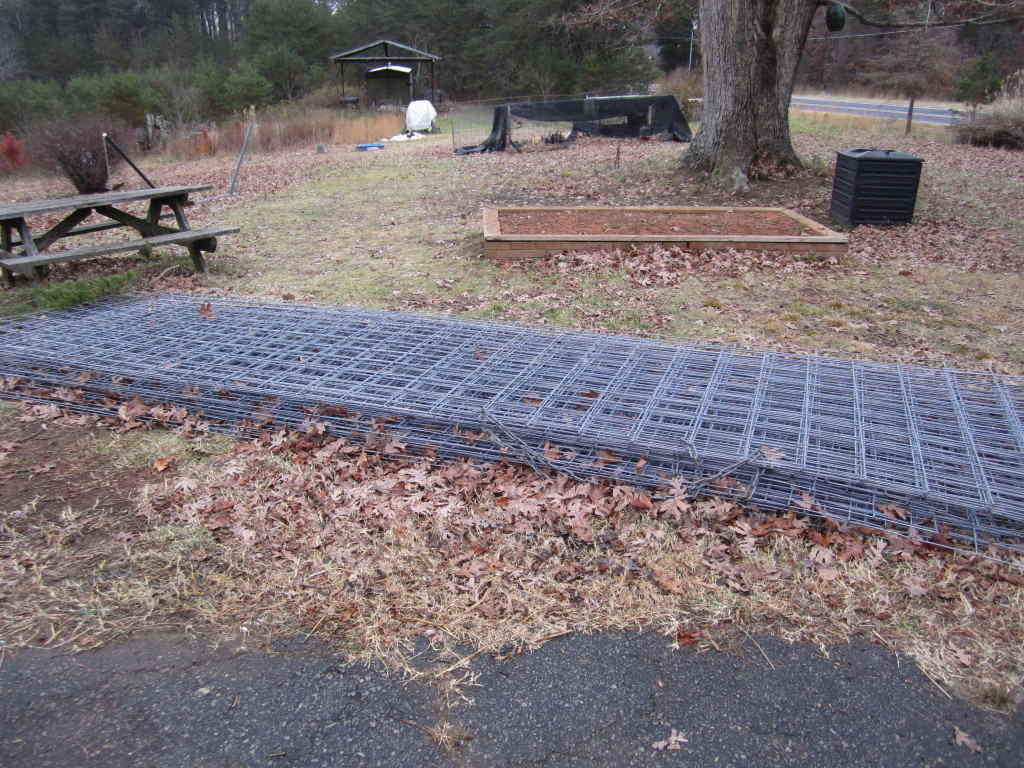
(997, 16)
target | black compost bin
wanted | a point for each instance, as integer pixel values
(875, 186)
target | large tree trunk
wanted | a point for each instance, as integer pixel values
(750, 49)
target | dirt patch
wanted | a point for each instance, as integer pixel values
(51, 465)
(582, 221)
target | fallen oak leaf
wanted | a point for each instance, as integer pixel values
(772, 456)
(641, 502)
(687, 638)
(163, 463)
(673, 742)
(961, 655)
(964, 740)
(606, 455)
(807, 501)
(667, 583)
(893, 511)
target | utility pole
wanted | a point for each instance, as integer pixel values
(693, 31)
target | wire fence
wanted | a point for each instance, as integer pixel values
(472, 124)
(928, 451)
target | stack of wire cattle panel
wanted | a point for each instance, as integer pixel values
(928, 451)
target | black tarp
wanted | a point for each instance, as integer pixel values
(615, 116)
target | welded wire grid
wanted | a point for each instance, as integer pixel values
(927, 451)
(472, 124)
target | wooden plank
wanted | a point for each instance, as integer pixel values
(195, 248)
(643, 208)
(89, 229)
(809, 223)
(492, 226)
(32, 208)
(680, 238)
(61, 228)
(144, 226)
(25, 265)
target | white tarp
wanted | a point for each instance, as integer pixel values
(419, 116)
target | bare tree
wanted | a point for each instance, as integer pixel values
(10, 29)
(912, 64)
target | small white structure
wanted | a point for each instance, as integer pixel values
(420, 116)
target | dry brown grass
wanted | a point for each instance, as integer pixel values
(388, 563)
(279, 130)
(299, 533)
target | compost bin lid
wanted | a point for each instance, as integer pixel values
(879, 154)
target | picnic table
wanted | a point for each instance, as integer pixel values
(34, 259)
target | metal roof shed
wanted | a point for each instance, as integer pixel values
(385, 52)
(389, 83)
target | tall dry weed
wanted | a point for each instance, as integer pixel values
(284, 128)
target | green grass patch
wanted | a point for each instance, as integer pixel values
(68, 293)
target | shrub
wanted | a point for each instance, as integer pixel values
(1002, 123)
(245, 88)
(23, 103)
(75, 149)
(981, 83)
(11, 155)
(125, 96)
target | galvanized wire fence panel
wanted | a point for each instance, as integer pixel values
(471, 126)
(927, 451)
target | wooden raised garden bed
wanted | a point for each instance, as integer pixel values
(537, 231)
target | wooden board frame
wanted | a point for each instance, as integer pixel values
(497, 245)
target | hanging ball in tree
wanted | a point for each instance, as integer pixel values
(835, 18)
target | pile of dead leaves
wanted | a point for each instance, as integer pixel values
(373, 552)
(305, 533)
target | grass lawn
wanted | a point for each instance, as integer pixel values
(293, 533)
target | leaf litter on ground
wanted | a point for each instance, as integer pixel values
(300, 532)
(378, 555)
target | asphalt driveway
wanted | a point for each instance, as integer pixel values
(602, 700)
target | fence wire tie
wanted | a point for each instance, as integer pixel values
(753, 459)
(522, 450)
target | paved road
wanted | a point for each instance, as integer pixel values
(601, 700)
(895, 112)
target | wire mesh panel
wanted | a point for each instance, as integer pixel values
(924, 450)
(471, 125)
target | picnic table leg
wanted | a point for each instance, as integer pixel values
(174, 203)
(28, 244)
(153, 217)
(6, 231)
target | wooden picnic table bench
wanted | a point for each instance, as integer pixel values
(34, 259)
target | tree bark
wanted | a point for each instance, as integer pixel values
(750, 49)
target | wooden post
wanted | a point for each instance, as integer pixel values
(175, 204)
(5, 245)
